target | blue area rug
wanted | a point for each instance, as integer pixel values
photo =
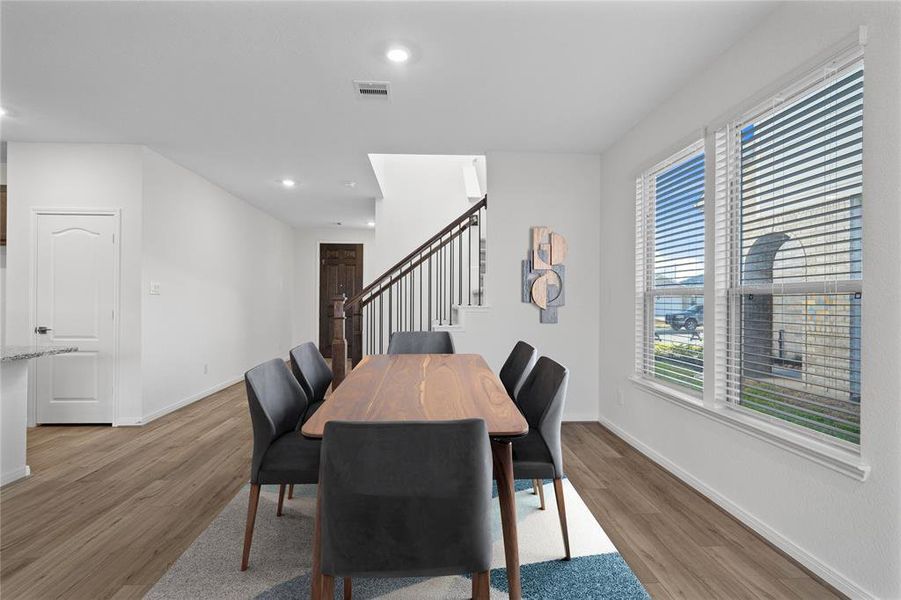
(583, 577)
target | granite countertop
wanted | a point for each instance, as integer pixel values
(10, 353)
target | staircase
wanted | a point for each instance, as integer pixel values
(424, 291)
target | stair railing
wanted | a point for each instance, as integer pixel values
(418, 293)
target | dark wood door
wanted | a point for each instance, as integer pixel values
(340, 271)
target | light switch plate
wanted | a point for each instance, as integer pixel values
(154, 288)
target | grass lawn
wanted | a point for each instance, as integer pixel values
(756, 395)
(683, 375)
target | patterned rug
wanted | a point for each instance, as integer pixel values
(280, 557)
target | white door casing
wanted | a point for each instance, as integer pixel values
(75, 281)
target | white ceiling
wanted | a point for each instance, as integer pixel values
(246, 94)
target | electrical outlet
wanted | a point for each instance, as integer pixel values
(206, 369)
(154, 288)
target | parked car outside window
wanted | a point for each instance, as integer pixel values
(689, 318)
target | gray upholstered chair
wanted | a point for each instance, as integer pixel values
(406, 499)
(312, 373)
(314, 376)
(280, 454)
(538, 455)
(517, 367)
(420, 342)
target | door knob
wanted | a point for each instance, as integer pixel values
(41, 329)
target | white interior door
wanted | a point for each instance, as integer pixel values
(75, 301)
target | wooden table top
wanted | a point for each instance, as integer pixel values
(421, 387)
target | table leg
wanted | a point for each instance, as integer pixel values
(503, 473)
(316, 568)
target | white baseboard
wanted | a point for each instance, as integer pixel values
(14, 475)
(830, 576)
(579, 417)
(184, 402)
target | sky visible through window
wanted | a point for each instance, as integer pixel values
(679, 224)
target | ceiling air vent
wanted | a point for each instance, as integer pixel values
(372, 89)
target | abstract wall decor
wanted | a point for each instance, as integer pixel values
(543, 273)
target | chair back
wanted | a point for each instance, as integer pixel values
(311, 370)
(421, 342)
(406, 498)
(277, 404)
(541, 399)
(518, 365)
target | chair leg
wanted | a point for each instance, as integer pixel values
(290, 491)
(281, 499)
(534, 487)
(561, 510)
(348, 588)
(481, 586)
(539, 485)
(328, 587)
(251, 517)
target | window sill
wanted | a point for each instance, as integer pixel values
(844, 461)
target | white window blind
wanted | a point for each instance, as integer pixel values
(669, 280)
(789, 192)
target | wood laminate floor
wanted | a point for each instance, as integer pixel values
(108, 509)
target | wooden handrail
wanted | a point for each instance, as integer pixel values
(412, 266)
(353, 301)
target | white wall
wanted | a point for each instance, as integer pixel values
(421, 194)
(225, 274)
(225, 268)
(846, 530)
(305, 309)
(77, 176)
(561, 191)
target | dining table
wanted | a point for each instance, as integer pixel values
(430, 387)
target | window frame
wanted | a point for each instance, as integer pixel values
(728, 286)
(646, 291)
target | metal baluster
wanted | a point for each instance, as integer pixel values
(420, 292)
(439, 311)
(469, 263)
(460, 270)
(450, 308)
(480, 256)
(430, 290)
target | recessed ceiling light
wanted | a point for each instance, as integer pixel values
(398, 55)
(288, 183)
(2, 111)
(370, 224)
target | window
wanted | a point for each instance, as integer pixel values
(670, 270)
(789, 194)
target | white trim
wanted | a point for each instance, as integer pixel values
(831, 456)
(116, 213)
(811, 562)
(183, 402)
(15, 475)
